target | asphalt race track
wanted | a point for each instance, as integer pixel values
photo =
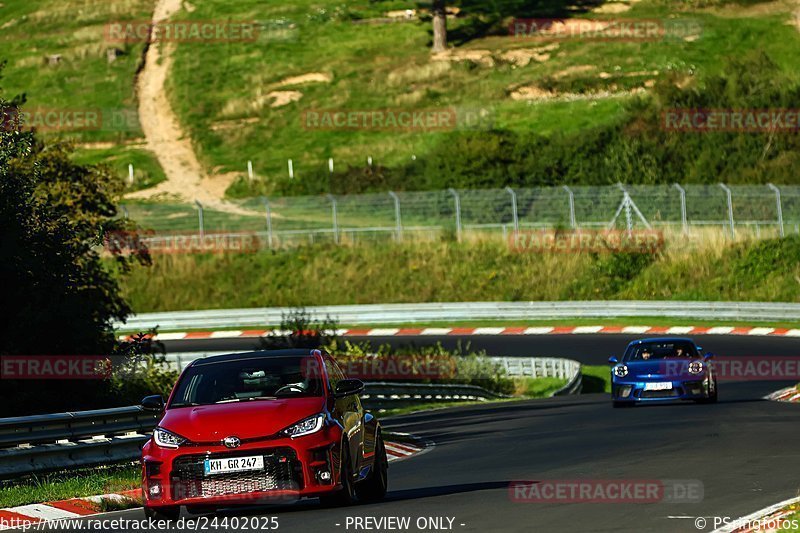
(742, 450)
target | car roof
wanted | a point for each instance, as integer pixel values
(252, 355)
(662, 339)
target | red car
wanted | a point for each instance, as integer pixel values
(258, 427)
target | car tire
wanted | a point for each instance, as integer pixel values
(373, 488)
(618, 405)
(346, 495)
(169, 514)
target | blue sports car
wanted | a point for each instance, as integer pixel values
(663, 369)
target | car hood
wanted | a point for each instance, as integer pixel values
(667, 369)
(246, 420)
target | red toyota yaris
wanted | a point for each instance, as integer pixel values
(258, 427)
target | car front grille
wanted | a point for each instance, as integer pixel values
(282, 472)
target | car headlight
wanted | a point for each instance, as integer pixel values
(621, 371)
(306, 426)
(695, 367)
(166, 439)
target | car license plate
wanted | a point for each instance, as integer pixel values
(658, 386)
(233, 464)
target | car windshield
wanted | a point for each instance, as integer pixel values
(661, 350)
(252, 379)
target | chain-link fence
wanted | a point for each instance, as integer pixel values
(733, 211)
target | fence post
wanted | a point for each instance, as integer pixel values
(200, 217)
(514, 209)
(335, 218)
(397, 220)
(269, 220)
(572, 222)
(730, 209)
(778, 204)
(458, 212)
(684, 221)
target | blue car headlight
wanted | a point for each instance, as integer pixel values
(695, 367)
(620, 371)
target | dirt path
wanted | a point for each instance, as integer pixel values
(186, 178)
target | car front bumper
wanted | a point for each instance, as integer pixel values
(635, 391)
(296, 468)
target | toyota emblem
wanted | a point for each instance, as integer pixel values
(232, 442)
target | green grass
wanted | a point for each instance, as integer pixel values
(483, 271)
(146, 170)
(66, 485)
(216, 87)
(596, 378)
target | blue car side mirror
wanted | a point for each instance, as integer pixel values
(709, 356)
(612, 360)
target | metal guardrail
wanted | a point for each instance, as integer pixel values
(459, 311)
(44, 443)
(383, 395)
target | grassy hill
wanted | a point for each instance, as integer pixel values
(561, 101)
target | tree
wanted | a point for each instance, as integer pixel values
(60, 297)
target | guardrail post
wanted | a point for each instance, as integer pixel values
(335, 218)
(730, 209)
(397, 220)
(458, 212)
(124, 212)
(572, 221)
(777, 192)
(200, 217)
(268, 209)
(684, 221)
(514, 214)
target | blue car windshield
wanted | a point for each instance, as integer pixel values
(647, 351)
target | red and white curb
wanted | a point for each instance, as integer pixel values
(18, 517)
(396, 451)
(767, 520)
(537, 330)
(789, 394)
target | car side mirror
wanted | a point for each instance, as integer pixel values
(153, 403)
(612, 360)
(348, 387)
(709, 356)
